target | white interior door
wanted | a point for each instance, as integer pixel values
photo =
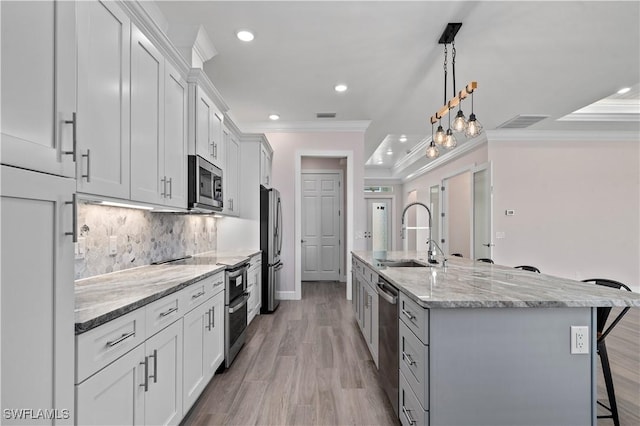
(457, 219)
(379, 234)
(320, 226)
(482, 243)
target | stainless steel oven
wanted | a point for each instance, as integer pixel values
(236, 298)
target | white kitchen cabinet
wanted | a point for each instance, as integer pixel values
(163, 396)
(38, 85)
(231, 175)
(148, 181)
(367, 306)
(265, 166)
(175, 138)
(254, 287)
(203, 347)
(114, 395)
(208, 135)
(37, 292)
(103, 150)
(143, 386)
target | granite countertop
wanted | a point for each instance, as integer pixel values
(465, 283)
(103, 298)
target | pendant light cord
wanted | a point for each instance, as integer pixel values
(453, 66)
(445, 74)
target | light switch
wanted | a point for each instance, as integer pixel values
(80, 248)
(113, 245)
(500, 235)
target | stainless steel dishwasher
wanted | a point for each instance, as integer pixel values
(388, 340)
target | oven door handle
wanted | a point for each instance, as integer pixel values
(233, 309)
(237, 272)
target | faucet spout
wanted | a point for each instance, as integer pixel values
(431, 251)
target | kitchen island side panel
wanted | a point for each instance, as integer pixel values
(509, 366)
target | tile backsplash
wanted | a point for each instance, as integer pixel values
(141, 237)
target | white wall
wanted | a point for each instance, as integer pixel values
(286, 148)
(577, 207)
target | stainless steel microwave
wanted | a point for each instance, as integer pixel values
(205, 185)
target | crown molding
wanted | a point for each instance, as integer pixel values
(306, 126)
(561, 135)
(199, 77)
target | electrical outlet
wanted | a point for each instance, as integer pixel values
(579, 339)
(113, 245)
(80, 248)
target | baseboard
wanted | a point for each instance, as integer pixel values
(286, 295)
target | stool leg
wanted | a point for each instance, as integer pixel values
(606, 370)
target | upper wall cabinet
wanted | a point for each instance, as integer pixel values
(103, 99)
(231, 178)
(265, 166)
(206, 136)
(175, 138)
(148, 182)
(38, 85)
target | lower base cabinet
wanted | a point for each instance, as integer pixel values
(142, 387)
(203, 347)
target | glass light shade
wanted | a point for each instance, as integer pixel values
(432, 151)
(459, 123)
(440, 136)
(450, 140)
(474, 128)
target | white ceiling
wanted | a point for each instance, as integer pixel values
(539, 58)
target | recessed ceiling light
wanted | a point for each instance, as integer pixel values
(390, 152)
(403, 138)
(340, 87)
(245, 35)
(274, 117)
(623, 90)
(379, 162)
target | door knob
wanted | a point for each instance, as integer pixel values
(303, 241)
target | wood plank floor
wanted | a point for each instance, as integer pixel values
(307, 364)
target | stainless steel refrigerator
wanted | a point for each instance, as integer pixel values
(271, 246)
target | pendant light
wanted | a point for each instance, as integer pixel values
(432, 150)
(474, 128)
(440, 136)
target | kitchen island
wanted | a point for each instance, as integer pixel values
(484, 344)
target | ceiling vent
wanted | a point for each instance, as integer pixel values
(522, 121)
(325, 115)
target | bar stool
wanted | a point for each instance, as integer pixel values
(528, 268)
(603, 315)
(485, 260)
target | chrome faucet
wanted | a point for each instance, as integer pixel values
(430, 250)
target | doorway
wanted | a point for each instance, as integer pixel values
(380, 218)
(321, 225)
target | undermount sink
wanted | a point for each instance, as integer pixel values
(402, 263)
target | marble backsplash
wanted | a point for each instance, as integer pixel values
(142, 237)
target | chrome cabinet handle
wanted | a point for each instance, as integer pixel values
(170, 311)
(170, 187)
(75, 139)
(407, 415)
(163, 194)
(121, 339)
(408, 315)
(213, 317)
(88, 157)
(408, 359)
(195, 296)
(230, 204)
(218, 283)
(155, 365)
(215, 150)
(208, 326)
(145, 385)
(74, 219)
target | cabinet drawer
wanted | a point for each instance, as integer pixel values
(163, 312)
(196, 294)
(104, 344)
(416, 317)
(371, 276)
(359, 266)
(414, 364)
(215, 284)
(410, 411)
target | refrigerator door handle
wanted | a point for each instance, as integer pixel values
(278, 267)
(279, 226)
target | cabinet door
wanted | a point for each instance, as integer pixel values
(204, 125)
(38, 85)
(214, 337)
(231, 175)
(148, 182)
(103, 99)
(163, 400)
(195, 325)
(265, 167)
(115, 394)
(175, 138)
(37, 291)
